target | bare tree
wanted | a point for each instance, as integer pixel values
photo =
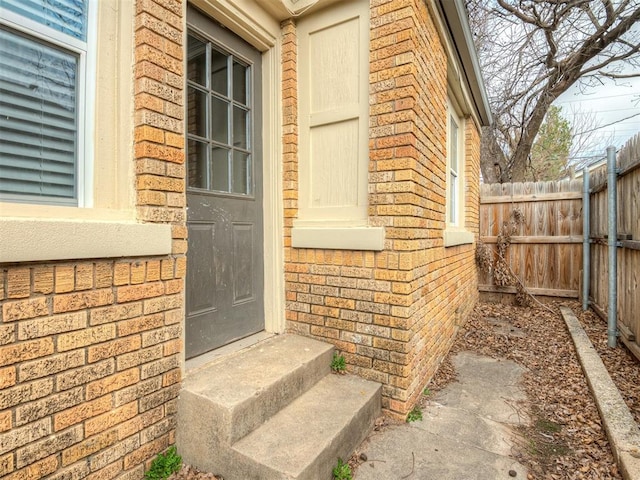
(532, 51)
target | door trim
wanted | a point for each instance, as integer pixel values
(262, 31)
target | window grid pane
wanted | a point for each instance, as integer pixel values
(225, 104)
(66, 16)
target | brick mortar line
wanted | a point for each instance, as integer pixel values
(621, 428)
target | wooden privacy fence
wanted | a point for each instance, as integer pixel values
(546, 248)
(628, 262)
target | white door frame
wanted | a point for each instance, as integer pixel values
(247, 20)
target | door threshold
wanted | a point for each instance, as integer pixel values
(195, 363)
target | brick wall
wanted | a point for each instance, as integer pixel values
(90, 351)
(392, 314)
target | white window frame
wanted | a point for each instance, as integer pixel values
(455, 232)
(47, 231)
(86, 51)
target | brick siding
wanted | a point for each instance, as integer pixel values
(393, 314)
(91, 351)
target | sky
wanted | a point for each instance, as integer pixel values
(599, 107)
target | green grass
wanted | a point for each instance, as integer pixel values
(342, 471)
(414, 415)
(338, 363)
(164, 465)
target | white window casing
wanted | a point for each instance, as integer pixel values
(455, 232)
(104, 202)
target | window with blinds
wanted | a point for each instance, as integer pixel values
(42, 56)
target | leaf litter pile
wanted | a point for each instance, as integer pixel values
(566, 439)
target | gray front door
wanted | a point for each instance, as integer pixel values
(224, 188)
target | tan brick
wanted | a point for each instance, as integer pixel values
(84, 375)
(158, 398)
(99, 316)
(137, 391)
(64, 278)
(112, 383)
(107, 473)
(146, 132)
(137, 272)
(153, 271)
(111, 454)
(5, 421)
(138, 292)
(6, 464)
(73, 472)
(146, 452)
(78, 301)
(140, 324)
(114, 348)
(160, 304)
(173, 316)
(25, 393)
(43, 448)
(89, 446)
(36, 471)
(7, 334)
(167, 268)
(84, 411)
(50, 365)
(7, 377)
(157, 430)
(158, 367)
(139, 422)
(173, 346)
(161, 335)
(104, 274)
(171, 377)
(121, 273)
(88, 336)
(113, 417)
(181, 267)
(173, 286)
(20, 352)
(84, 276)
(23, 309)
(138, 357)
(19, 437)
(18, 282)
(52, 325)
(46, 406)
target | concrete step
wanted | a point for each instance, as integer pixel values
(305, 439)
(240, 391)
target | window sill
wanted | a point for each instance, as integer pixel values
(33, 240)
(460, 236)
(338, 238)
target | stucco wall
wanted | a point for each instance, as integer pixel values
(91, 350)
(393, 314)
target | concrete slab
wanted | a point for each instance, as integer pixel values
(486, 387)
(408, 452)
(305, 439)
(466, 430)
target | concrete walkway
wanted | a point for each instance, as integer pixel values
(465, 433)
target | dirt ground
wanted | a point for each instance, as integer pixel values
(566, 439)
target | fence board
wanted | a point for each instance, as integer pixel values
(546, 250)
(628, 265)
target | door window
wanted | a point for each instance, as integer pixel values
(219, 146)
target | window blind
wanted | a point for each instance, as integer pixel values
(38, 118)
(66, 16)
